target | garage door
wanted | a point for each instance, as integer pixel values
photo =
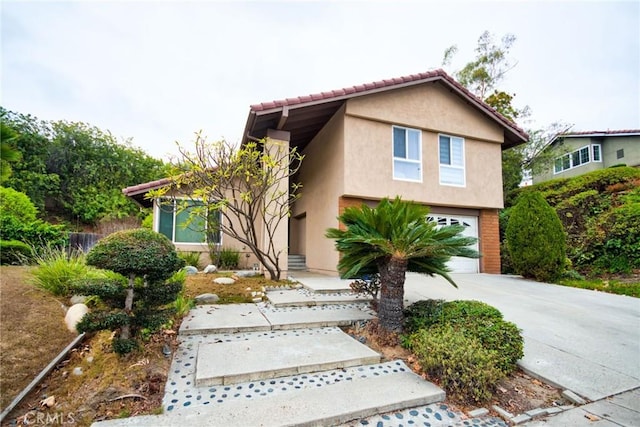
(470, 223)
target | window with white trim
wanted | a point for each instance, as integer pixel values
(579, 157)
(407, 154)
(176, 222)
(451, 154)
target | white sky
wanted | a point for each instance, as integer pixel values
(157, 71)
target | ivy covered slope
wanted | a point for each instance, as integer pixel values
(600, 212)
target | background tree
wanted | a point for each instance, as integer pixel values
(147, 259)
(391, 239)
(8, 154)
(536, 238)
(239, 192)
(76, 171)
(483, 76)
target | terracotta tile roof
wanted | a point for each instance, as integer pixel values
(386, 84)
(601, 132)
(147, 186)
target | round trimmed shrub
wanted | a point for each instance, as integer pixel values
(139, 252)
(535, 238)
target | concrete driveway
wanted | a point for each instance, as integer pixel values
(584, 341)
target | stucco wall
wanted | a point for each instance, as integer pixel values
(434, 111)
(610, 145)
(322, 176)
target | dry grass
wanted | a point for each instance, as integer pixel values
(239, 292)
(32, 331)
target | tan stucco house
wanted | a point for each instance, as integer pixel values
(423, 137)
(586, 151)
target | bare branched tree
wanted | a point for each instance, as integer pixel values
(243, 192)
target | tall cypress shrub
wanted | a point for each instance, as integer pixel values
(535, 238)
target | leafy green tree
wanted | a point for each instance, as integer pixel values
(536, 238)
(76, 170)
(8, 154)
(483, 76)
(147, 259)
(391, 239)
(246, 186)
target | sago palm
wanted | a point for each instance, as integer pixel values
(393, 238)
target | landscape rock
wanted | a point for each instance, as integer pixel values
(207, 299)
(224, 281)
(75, 313)
(247, 273)
(210, 269)
(78, 299)
(77, 371)
(191, 270)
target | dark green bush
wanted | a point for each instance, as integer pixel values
(423, 314)
(500, 336)
(426, 313)
(14, 252)
(466, 370)
(139, 252)
(147, 259)
(536, 239)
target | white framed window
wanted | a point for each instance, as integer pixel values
(407, 154)
(175, 221)
(596, 149)
(451, 154)
(579, 157)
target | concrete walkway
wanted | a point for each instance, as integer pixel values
(267, 365)
(583, 341)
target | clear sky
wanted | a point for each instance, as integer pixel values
(158, 71)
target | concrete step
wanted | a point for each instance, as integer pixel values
(230, 318)
(333, 404)
(272, 357)
(323, 284)
(304, 298)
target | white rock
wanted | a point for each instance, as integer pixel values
(77, 371)
(224, 281)
(257, 300)
(210, 269)
(298, 286)
(75, 313)
(191, 270)
(90, 359)
(207, 299)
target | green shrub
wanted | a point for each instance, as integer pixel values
(57, 271)
(139, 252)
(147, 259)
(499, 336)
(536, 239)
(474, 319)
(147, 222)
(37, 234)
(466, 370)
(423, 314)
(14, 252)
(190, 258)
(426, 313)
(18, 205)
(228, 258)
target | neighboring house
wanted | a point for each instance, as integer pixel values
(423, 137)
(582, 152)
